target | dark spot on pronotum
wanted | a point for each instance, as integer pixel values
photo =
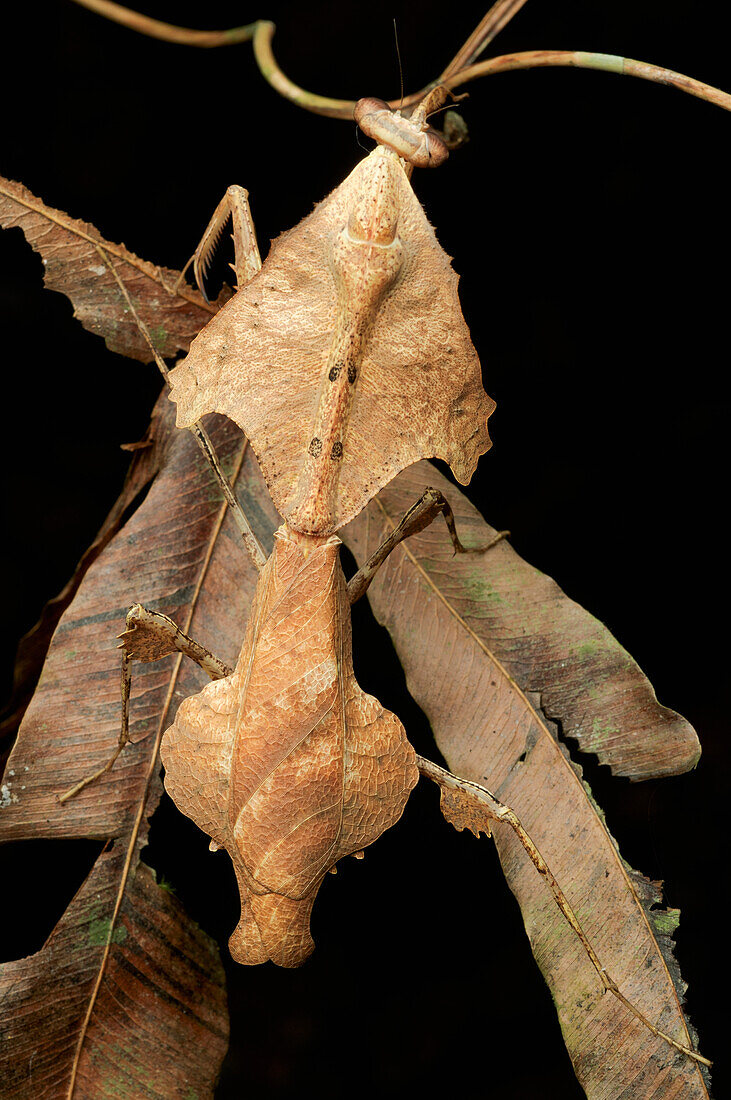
(337, 451)
(315, 447)
(334, 372)
(352, 374)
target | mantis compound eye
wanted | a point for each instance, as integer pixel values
(419, 145)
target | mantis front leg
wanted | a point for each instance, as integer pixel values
(247, 261)
(234, 204)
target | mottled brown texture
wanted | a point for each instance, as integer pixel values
(74, 266)
(287, 763)
(464, 812)
(347, 357)
(450, 620)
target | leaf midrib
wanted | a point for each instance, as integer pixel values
(545, 732)
(143, 266)
(154, 755)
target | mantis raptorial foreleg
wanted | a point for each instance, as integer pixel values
(251, 262)
(429, 505)
(247, 261)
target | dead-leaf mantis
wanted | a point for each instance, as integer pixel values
(283, 786)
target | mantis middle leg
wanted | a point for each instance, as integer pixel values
(148, 636)
(430, 504)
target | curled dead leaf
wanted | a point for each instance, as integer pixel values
(77, 261)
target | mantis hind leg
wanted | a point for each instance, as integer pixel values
(148, 636)
(468, 805)
(430, 504)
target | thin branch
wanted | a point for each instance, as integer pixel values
(605, 62)
(310, 101)
(578, 59)
(501, 12)
(168, 32)
(262, 31)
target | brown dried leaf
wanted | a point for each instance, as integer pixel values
(338, 305)
(158, 959)
(75, 267)
(287, 763)
(464, 630)
(33, 646)
(586, 680)
(97, 954)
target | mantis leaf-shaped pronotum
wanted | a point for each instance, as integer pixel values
(347, 359)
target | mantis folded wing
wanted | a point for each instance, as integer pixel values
(287, 763)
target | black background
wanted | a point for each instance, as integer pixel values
(588, 217)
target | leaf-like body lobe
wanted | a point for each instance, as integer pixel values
(287, 763)
(346, 358)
